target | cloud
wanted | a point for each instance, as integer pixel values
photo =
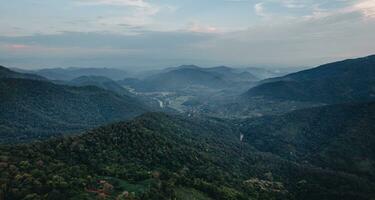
(141, 7)
(144, 40)
(293, 4)
(148, 48)
(259, 10)
(140, 12)
(366, 7)
(237, 0)
(198, 28)
(135, 3)
(298, 42)
(130, 35)
(17, 46)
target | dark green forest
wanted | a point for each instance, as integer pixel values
(339, 82)
(31, 109)
(157, 156)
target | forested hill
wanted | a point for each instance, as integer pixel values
(7, 73)
(187, 76)
(338, 137)
(32, 109)
(100, 82)
(157, 156)
(67, 74)
(338, 82)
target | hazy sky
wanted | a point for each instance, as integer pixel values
(163, 33)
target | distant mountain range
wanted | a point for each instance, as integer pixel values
(67, 74)
(190, 76)
(266, 73)
(338, 82)
(100, 82)
(32, 108)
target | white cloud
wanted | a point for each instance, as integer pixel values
(259, 10)
(366, 7)
(293, 4)
(140, 13)
(199, 28)
(298, 35)
(136, 3)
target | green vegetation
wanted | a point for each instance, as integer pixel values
(190, 194)
(338, 137)
(100, 82)
(7, 73)
(31, 109)
(194, 80)
(339, 82)
(157, 156)
(346, 81)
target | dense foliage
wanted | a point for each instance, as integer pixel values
(338, 137)
(100, 82)
(30, 109)
(165, 157)
(7, 73)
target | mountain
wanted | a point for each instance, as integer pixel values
(157, 156)
(226, 73)
(100, 82)
(232, 74)
(335, 83)
(188, 77)
(336, 137)
(67, 74)
(338, 82)
(183, 78)
(267, 72)
(7, 73)
(31, 108)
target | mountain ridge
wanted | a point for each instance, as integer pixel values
(37, 108)
(7, 73)
(337, 82)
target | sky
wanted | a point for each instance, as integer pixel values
(147, 34)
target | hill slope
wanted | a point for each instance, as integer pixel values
(158, 156)
(7, 73)
(67, 74)
(100, 82)
(339, 82)
(338, 137)
(31, 108)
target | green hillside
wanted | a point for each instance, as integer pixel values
(32, 109)
(157, 156)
